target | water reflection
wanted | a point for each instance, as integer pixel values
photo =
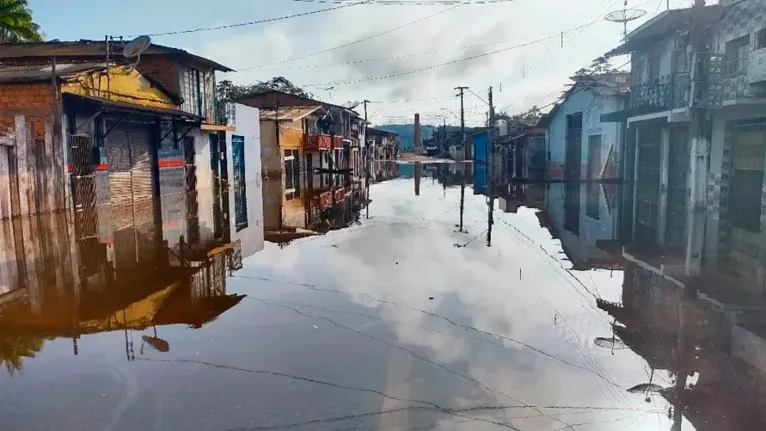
(64, 278)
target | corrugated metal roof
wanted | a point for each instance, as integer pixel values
(136, 108)
(93, 48)
(288, 113)
(43, 72)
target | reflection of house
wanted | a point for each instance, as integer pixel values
(383, 145)
(677, 333)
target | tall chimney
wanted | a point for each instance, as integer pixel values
(416, 137)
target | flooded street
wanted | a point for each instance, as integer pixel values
(397, 322)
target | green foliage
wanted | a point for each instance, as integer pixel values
(599, 66)
(529, 117)
(230, 92)
(16, 23)
(13, 348)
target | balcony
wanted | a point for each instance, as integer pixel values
(662, 94)
(318, 142)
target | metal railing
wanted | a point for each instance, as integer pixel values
(664, 93)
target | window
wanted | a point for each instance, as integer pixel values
(593, 195)
(736, 54)
(240, 184)
(292, 173)
(760, 39)
(653, 67)
(193, 91)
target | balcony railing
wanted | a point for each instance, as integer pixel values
(323, 142)
(662, 94)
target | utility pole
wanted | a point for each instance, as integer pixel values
(699, 145)
(465, 150)
(490, 169)
(367, 162)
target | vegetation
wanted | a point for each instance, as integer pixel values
(529, 117)
(230, 92)
(13, 348)
(16, 24)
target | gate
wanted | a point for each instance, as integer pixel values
(131, 194)
(678, 165)
(648, 184)
(84, 197)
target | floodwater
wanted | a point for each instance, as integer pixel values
(399, 321)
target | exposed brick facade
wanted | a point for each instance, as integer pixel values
(34, 101)
(162, 69)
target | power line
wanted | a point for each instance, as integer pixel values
(412, 2)
(395, 57)
(364, 39)
(243, 24)
(434, 66)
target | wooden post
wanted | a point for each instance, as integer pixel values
(22, 169)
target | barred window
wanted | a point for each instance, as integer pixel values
(735, 55)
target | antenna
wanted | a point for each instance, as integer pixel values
(135, 47)
(624, 16)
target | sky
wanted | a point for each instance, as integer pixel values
(527, 65)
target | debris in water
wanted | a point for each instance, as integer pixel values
(430, 297)
(315, 326)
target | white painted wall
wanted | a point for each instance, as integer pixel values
(248, 126)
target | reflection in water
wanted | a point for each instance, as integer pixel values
(103, 273)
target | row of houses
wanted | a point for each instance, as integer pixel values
(117, 172)
(660, 172)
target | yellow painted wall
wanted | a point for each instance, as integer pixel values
(124, 84)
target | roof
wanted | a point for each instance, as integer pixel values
(93, 48)
(662, 25)
(43, 72)
(124, 106)
(372, 131)
(289, 113)
(308, 101)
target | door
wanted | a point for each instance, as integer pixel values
(572, 173)
(190, 186)
(748, 149)
(239, 183)
(131, 195)
(678, 164)
(648, 184)
(220, 169)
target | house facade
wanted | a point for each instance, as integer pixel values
(120, 149)
(383, 145)
(581, 200)
(728, 85)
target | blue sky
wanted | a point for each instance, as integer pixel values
(530, 75)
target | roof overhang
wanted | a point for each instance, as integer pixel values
(114, 105)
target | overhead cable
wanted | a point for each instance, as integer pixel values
(344, 45)
(243, 24)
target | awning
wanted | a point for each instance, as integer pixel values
(115, 105)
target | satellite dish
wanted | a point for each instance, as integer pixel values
(135, 47)
(350, 105)
(624, 16)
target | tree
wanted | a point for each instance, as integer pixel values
(599, 66)
(16, 23)
(230, 92)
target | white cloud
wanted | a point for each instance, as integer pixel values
(528, 75)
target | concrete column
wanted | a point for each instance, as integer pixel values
(712, 227)
(635, 187)
(663, 200)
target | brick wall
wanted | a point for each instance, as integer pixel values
(34, 101)
(162, 69)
